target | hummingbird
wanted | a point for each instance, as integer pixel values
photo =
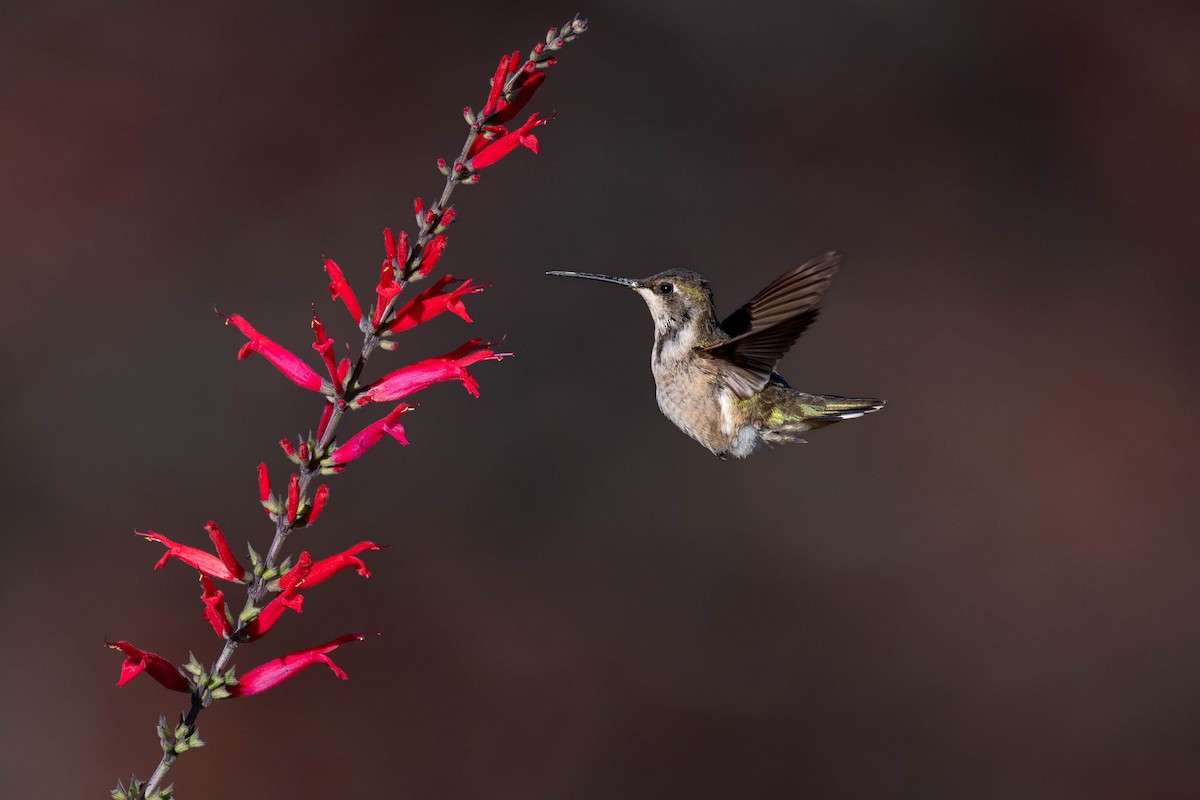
(716, 380)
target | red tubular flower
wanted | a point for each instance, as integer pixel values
(339, 289)
(369, 436)
(293, 498)
(273, 673)
(387, 287)
(222, 568)
(413, 378)
(326, 415)
(326, 568)
(431, 254)
(284, 360)
(264, 480)
(521, 137)
(290, 597)
(288, 449)
(318, 505)
(432, 302)
(497, 87)
(157, 667)
(488, 135)
(223, 551)
(214, 607)
(324, 346)
(521, 96)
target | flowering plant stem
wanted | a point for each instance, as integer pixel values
(488, 140)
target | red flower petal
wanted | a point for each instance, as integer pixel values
(318, 505)
(508, 143)
(157, 667)
(324, 347)
(339, 289)
(284, 360)
(369, 436)
(432, 302)
(387, 287)
(431, 254)
(413, 378)
(290, 597)
(223, 551)
(275, 672)
(326, 568)
(206, 563)
(521, 98)
(497, 87)
(214, 607)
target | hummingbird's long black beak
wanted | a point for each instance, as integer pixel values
(630, 282)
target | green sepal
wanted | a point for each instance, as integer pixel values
(193, 666)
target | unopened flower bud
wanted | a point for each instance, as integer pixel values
(293, 499)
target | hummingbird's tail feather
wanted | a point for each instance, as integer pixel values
(830, 408)
(790, 414)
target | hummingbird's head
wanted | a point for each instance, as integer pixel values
(678, 299)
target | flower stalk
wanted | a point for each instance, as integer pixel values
(275, 586)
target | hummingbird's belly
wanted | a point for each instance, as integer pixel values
(710, 416)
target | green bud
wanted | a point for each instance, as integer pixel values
(193, 666)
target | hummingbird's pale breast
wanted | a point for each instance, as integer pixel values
(692, 394)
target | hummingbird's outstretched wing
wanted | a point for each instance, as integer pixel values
(768, 325)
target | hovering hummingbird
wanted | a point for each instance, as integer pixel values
(717, 381)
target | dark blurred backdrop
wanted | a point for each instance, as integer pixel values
(989, 590)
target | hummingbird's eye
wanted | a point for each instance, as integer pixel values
(665, 288)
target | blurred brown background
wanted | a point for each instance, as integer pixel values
(988, 590)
